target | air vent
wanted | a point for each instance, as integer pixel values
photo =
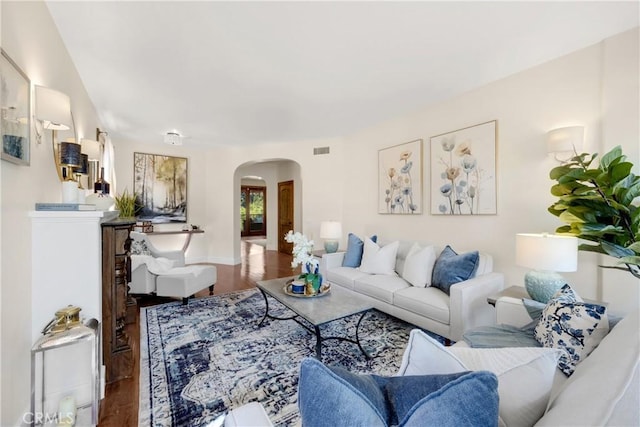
(320, 150)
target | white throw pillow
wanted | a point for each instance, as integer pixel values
(379, 260)
(525, 374)
(418, 265)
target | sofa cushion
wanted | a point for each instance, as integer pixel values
(344, 276)
(379, 286)
(379, 260)
(451, 268)
(418, 265)
(572, 326)
(603, 385)
(353, 255)
(525, 375)
(429, 302)
(334, 396)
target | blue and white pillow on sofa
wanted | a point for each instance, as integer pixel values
(573, 326)
(332, 396)
(355, 246)
(452, 268)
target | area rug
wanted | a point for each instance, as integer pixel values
(200, 360)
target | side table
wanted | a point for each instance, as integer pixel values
(512, 291)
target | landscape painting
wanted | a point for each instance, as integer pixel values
(160, 184)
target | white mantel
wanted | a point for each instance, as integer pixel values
(66, 264)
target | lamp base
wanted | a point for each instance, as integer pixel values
(330, 246)
(542, 285)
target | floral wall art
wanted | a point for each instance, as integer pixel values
(400, 179)
(463, 171)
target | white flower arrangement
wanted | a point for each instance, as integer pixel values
(302, 248)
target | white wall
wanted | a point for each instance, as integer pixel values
(30, 37)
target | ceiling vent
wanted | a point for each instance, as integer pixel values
(320, 150)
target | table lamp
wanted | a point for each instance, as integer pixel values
(70, 158)
(546, 254)
(331, 232)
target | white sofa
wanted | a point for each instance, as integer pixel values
(430, 308)
(605, 387)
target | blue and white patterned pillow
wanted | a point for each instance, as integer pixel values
(573, 326)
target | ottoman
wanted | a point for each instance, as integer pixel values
(186, 281)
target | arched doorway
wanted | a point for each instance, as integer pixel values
(271, 172)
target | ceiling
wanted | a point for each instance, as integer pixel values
(240, 73)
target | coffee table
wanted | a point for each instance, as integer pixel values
(317, 311)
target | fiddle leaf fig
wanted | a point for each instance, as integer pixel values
(597, 204)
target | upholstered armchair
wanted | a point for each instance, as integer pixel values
(143, 256)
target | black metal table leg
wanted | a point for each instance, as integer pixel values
(266, 308)
(366, 355)
(318, 344)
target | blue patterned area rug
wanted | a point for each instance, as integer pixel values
(200, 360)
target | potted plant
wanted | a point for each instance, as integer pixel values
(597, 204)
(126, 204)
(302, 248)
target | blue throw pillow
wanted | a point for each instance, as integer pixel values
(333, 396)
(452, 268)
(355, 246)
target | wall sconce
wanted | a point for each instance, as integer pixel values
(331, 232)
(565, 143)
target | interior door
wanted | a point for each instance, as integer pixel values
(285, 215)
(253, 211)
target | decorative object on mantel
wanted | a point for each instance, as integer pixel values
(127, 204)
(143, 227)
(161, 184)
(546, 254)
(331, 232)
(100, 196)
(302, 255)
(463, 171)
(400, 179)
(597, 204)
(70, 159)
(15, 109)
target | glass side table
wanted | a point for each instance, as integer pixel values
(89, 331)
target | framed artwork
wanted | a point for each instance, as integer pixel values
(463, 171)
(160, 185)
(400, 179)
(15, 105)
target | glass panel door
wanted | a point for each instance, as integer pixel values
(253, 211)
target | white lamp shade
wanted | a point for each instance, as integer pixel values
(566, 139)
(53, 108)
(547, 252)
(330, 230)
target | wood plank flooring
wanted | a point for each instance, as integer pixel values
(119, 408)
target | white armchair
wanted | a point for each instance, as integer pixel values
(164, 273)
(142, 252)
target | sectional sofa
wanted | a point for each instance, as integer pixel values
(446, 314)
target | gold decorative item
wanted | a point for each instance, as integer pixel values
(65, 318)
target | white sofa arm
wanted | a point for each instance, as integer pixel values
(468, 306)
(511, 311)
(330, 261)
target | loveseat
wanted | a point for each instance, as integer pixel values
(431, 308)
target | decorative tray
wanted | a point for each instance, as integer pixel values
(325, 288)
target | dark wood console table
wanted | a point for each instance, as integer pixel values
(116, 345)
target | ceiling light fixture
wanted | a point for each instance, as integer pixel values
(173, 138)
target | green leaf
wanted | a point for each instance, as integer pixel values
(634, 247)
(609, 157)
(620, 171)
(558, 171)
(569, 218)
(616, 251)
(634, 260)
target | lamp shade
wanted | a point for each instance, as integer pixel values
(53, 108)
(566, 139)
(70, 154)
(83, 169)
(547, 252)
(330, 230)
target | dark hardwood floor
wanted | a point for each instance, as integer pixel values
(119, 408)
